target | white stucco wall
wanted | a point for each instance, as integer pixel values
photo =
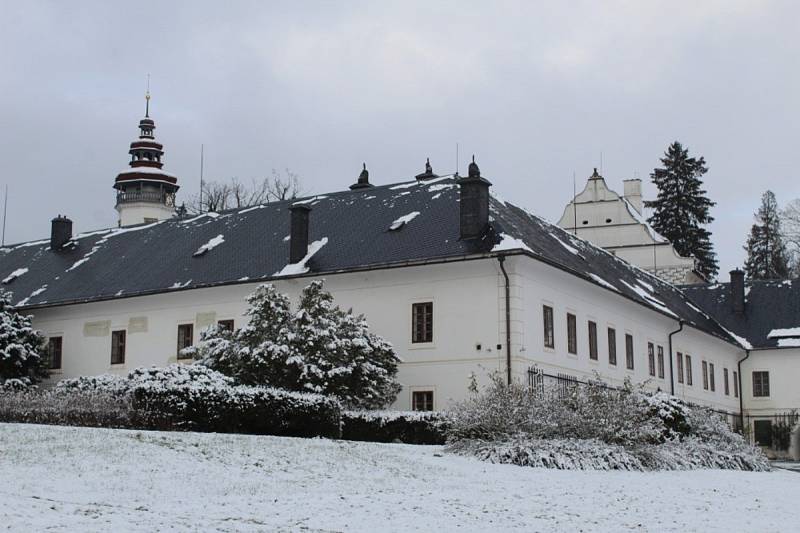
(783, 366)
(139, 212)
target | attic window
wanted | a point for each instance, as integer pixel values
(608, 221)
(585, 222)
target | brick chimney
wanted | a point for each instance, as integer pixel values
(60, 232)
(474, 203)
(737, 291)
(298, 232)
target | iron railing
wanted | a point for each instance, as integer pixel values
(127, 197)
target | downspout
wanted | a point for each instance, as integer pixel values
(502, 259)
(671, 372)
(741, 392)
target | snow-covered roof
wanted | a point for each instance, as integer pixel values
(350, 230)
(771, 317)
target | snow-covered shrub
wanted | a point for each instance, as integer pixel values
(691, 453)
(107, 383)
(21, 346)
(16, 385)
(319, 348)
(410, 427)
(174, 375)
(240, 409)
(66, 407)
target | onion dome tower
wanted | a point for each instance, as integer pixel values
(145, 193)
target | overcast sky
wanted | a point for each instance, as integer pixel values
(536, 91)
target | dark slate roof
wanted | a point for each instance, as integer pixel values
(769, 305)
(354, 227)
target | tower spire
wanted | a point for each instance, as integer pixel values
(147, 99)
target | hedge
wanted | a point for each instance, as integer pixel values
(414, 427)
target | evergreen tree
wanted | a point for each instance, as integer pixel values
(766, 251)
(681, 207)
(320, 348)
(21, 347)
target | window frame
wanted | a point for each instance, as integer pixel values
(572, 333)
(651, 359)
(426, 402)
(612, 345)
(50, 360)
(182, 328)
(227, 324)
(726, 380)
(711, 378)
(593, 352)
(662, 374)
(425, 335)
(679, 360)
(689, 374)
(735, 384)
(118, 358)
(763, 386)
(630, 362)
(704, 366)
(548, 324)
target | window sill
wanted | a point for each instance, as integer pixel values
(422, 346)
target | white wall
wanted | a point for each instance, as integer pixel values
(139, 212)
(783, 366)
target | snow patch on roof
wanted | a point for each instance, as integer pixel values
(649, 297)
(210, 245)
(789, 343)
(210, 214)
(602, 282)
(294, 269)
(404, 185)
(255, 207)
(179, 285)
(312, 200)
(569, 248)
(784, 332)
(14, 275)
(403, 220)
(147, 170)
(744, 343)
(37, 292)
(510, 243)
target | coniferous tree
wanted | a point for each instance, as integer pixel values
(21, 346)
(681, 208)
(766, 250)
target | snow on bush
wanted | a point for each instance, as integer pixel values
(319, 348)
(174, 375)
(626, 428)
(410, 427)
(21, 346)
(66, 407)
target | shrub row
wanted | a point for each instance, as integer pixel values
(88, 408)
(413, 427)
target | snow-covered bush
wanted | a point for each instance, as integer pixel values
(319, 348)
(106, 383)
(240, 409)
(16, 385)
(526, 426)
(410, 427)
(174, 375)
(65, 407)
(21, 346)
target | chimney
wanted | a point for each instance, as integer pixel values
(298, 232)
(633, 193)
(60, 232)
(363, 180)
(474, 203)
(737, 291)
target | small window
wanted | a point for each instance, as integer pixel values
(679, 359)
(689, 370)
(549, 336)
(149, 220)
(762, 432)
(760, 384)
(612, 346)
(54, 346)
(592, 340)
(585, 222)
(711, 374)
(705, 375)
(726, 382)
(735, 384)
(660, 352)
(629, 351)
(608, 221)
(422, 400)
(572, 334)
(422, 322)
(651, 359)
(226, 325)
(118, 347)
(185, 339)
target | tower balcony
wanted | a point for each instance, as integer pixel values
(151, 197)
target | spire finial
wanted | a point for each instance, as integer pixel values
(473, 170)
(147, 99)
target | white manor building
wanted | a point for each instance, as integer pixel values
(459, 281)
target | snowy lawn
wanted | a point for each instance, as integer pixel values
(80, 479)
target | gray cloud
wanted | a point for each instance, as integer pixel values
(536, 90)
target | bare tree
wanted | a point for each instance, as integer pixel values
(790, 222)
(234, 194)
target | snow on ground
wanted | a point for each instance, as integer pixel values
(79, 479)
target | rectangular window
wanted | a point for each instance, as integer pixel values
(762, 432)
(118, 347)
(679, 358)
(592, 340)
(735, 384)
(422, 400)
(54, 346)
(760, 384)
(572, 334)
(688, 369)
(629, 351)
(549, 336)
(422, 322)
(705, 375)
(660, 352)
(225, 325)
(185, 339)
(651, 359)
(711, 376)
(727, 384)
(612, 346)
